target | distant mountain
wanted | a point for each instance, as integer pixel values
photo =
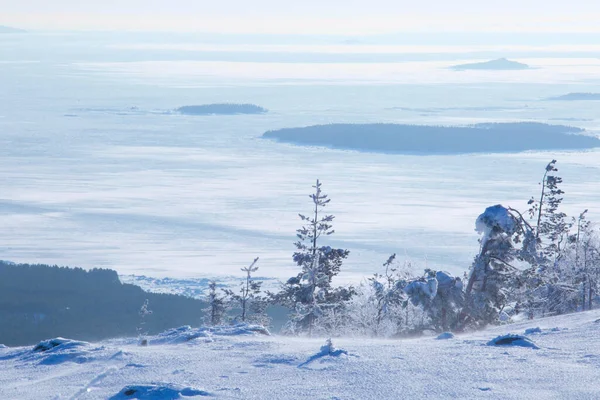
(576, 97)
(222, 109)
(8, 29)
(501, 64)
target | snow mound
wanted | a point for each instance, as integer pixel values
(445, 335)
(531, 331)
(182, 334)
(327, 350)
(512, 340)
(240, 329)
(59, 342)
(186, 333)
(157, 392)
(60, 350)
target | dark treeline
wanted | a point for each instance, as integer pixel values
(40, 301)
(421, 139)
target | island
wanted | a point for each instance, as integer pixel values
(501, 64)
(422, 139)
(8, 29)
(222, 109)
(576, 97)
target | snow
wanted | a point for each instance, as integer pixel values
(256, 366)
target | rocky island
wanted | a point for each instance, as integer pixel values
(501, 64)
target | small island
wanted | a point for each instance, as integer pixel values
(8, 29)
(222, 109)
(576, 97)
(501, 64)
(422, 139)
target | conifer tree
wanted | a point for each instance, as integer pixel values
(311, 291)
(217, 305)
(249, 300)
(551, 227)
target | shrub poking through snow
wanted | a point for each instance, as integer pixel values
(512, 340)
(326, 350)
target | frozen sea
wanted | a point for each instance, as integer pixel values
(96, 170)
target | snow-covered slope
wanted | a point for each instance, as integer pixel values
(239, 363)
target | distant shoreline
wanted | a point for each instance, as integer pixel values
(579, 96)
(8, 29)
(221, 109)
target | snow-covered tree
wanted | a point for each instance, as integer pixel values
(445, 307)
(310, 292)
(387, 295)
(217, 305)
(586, 263)
(551, 225)
(248, 299)
(492, 274)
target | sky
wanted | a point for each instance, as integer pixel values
(351, 17)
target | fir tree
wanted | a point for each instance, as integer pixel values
(217, 305)
(310, 292)
(551, 228)
(249, 300)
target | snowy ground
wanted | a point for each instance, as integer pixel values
(566, 366)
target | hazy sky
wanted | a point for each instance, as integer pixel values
(304, 16)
